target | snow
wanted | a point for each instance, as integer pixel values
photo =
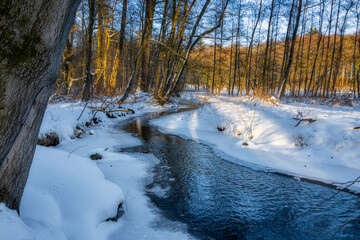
(262, 135)
(70, 196)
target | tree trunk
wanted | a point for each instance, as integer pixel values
(88, 77)
(145, 58)
(99, 83)
(120, 47)
(288, 65)
(265, 66)
(214, 66)
(33, 35)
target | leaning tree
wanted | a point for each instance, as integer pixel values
(32, 37)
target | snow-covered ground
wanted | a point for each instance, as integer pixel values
(264, 135)
(70, 196)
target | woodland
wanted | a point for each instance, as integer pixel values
(239, 58)
(303, 48)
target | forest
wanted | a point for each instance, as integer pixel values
(179, 119)
(304, 48)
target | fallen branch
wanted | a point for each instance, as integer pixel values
(310, 120)
(75, 150)
(119, 110)
(356, 128)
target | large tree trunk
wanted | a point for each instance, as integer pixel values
(33, 34)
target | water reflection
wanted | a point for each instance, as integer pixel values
(221, 200)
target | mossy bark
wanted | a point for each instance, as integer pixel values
(33, 34)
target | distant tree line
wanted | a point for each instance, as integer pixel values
(303, 47)
(115, 47)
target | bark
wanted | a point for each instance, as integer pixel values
(338, 60)
(68, 53)
(249, 54)
(325, 88)
(214, 67)
(88, 77)
(220, 57)
(161, 54)
(33, 35)
(287, 68)
(100, 47)
(230, 62)
(265, 66)
(317, 51)
(120, 47)
(145, 58)
(333, 53)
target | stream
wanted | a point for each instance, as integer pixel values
(218, 199)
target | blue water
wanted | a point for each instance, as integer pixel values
(218, 199)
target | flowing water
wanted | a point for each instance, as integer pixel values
(218, 199)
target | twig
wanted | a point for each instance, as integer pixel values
(82, 111)
(310, 120)
(342, 226)
(75, 150)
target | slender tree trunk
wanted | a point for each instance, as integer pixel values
(333, 53)
(338, 60)
(265, 66)
(220, 57)
(249, 53)
(67, 62)
(30, 55)
(320, 36)
(145, 58)
(230, 62)
(119, 50)
(161, 54)
(214, 67)
(287, 43)
(288, 66)
(88, 77)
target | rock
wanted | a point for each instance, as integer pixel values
(245, 144)
(78, 132)
(119, 213)
(49, 139)
(96, 120)
(91, 132)
(111, 115)
(220, 129)
(95, 156)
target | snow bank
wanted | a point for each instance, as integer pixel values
(263, 135)
(67, 196)
(63, 118)
(11, 226)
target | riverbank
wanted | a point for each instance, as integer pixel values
(70, 196)
(304, 140)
